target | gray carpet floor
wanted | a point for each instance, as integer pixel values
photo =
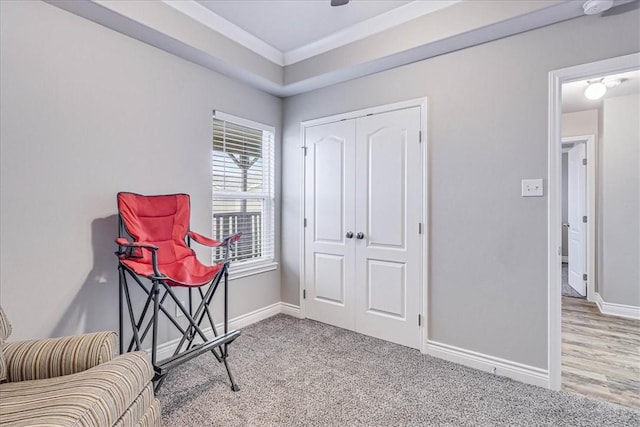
(303, 373)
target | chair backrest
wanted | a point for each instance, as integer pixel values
(160, 220)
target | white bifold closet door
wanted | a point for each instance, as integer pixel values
(363, 200)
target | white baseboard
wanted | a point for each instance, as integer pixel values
(472, 359)
(166, 349)
(620, 310)
(290, 310)
(483, 362)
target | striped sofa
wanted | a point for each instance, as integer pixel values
(74, 381)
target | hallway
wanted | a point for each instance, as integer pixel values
(600, 353)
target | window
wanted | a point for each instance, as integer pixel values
(243, 189)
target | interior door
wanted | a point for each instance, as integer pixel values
(577, 232)
(388, 214)
(329, 208)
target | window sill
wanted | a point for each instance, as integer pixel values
(238, 272)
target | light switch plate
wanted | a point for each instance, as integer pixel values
(532, 188)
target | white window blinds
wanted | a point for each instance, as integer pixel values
(242, 160)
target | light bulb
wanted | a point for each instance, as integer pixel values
(595, 91)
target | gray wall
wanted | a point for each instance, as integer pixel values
(87, 112)
(487, 130)
(620, 166)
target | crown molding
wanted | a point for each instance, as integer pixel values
(366, 28)
(132, 22)
(212, 20)
(359, 31)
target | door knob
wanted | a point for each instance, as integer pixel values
(349, 234)
(360, 235)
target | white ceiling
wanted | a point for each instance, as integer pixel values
(573, 98)
(290, 24)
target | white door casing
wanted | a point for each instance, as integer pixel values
(554, 236)
(364, 176)
(577, 233)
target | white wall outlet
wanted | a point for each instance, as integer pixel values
(179, 312)
(532, 188)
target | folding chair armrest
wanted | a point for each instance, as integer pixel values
(124, 242)
(121, 241)
(230, 239)
(204, 240)
(55, 357)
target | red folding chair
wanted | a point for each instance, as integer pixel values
(160, 252)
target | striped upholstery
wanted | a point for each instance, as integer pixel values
(136, 411)
(54, 357)
(5, 326)
(151, 417)
(5, 331)
(117, 391)
(74, 381)
(3, 365)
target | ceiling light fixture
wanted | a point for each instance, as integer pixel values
(612, 83)
(595, 90)
(593, 7)
(339, 2)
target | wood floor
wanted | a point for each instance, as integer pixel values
(600, 354)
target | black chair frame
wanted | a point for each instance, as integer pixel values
(156, 293)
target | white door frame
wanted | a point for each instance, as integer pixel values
(424, 269)
(554, 215)
(590, 149)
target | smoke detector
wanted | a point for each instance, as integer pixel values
(593, 7)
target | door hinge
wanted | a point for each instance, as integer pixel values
(584, 219)
(584, 162)
(304, 148)
(304, 294)
(305, 222)
(584, 277)
(419, 136)
(419, 320)
(419, 228)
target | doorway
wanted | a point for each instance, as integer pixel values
(586, 74)
(364, 239)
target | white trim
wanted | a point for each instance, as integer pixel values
(290, 310)
(426, 226)
(484, 362)
(358, 31)
(554, 220)
(417, 102)
(237, 271)
(365, 29)
(166, 349)
(217, 23)
(613, 309)
(565, 259)
(243, 122)
(303, 273)
(120, 18)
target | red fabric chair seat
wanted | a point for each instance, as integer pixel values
(163, 221)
